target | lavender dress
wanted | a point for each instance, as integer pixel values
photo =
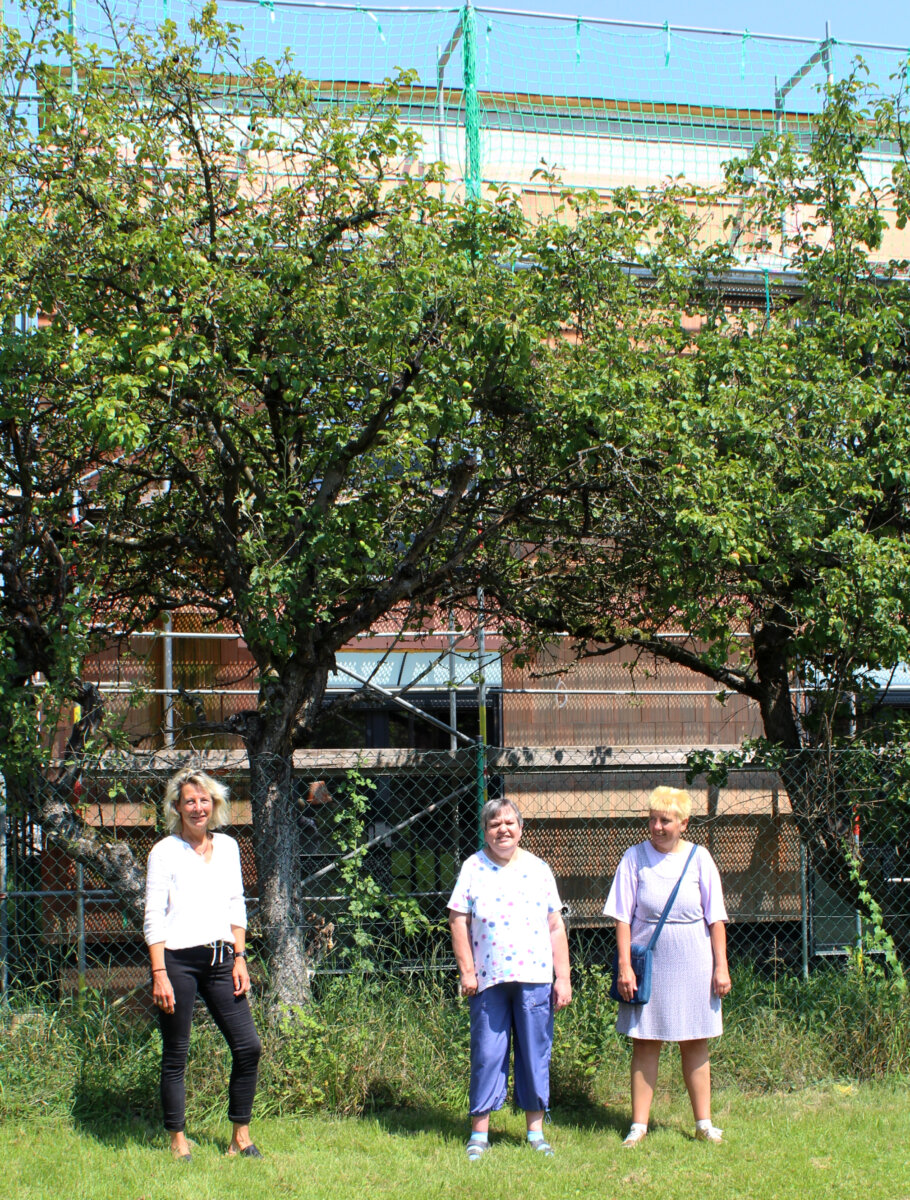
(682, 1005)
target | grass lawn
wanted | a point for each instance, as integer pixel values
(841, 1141)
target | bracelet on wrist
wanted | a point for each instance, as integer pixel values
(158, 970)
(239, 954)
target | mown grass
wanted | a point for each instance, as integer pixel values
(364, 1094)
(846, 1141)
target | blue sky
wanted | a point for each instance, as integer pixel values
(876, 21)
(370, 41)
(886, 21)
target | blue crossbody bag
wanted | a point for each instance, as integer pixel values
(642, 956)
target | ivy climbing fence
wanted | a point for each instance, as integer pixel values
(497, 94)
(381, 835)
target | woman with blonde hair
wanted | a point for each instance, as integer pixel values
(195, 929)
(689, 973)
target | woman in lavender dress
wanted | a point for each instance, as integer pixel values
(690, 973)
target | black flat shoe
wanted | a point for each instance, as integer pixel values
(251, 1151)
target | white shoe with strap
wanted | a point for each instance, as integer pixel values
(635, 1135)
(708, 1133)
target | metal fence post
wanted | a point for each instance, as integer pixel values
(453, 696)
(481, 788)
(4, 916)
(168, 678)
(71, 30)
(804, 906)
(857, 916)
(443, 54)
(80, 930)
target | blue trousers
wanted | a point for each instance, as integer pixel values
(499, 1013)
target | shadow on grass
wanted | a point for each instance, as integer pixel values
(410, 1122)
(114, 1116)
(586, 1114)
(95, 1117)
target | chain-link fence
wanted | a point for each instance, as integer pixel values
(378, 837)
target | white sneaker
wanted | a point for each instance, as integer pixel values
(636, 1134)
(711, 1134)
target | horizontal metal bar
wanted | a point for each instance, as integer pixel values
(173, 633)
(459, 634)
(468, 689)
(88, 894)
(401, 635)
(404, 969)
(730, 691)
(652, 25)
(637, 692)
(565, 18)
(404, 9)
(119, 689)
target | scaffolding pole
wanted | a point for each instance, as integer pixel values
(471, 102)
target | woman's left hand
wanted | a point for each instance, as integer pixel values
(562, 993)
(721, 982)
(241, 977)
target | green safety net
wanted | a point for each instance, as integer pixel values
(498, 93)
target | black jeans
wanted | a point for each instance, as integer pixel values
(191, 971)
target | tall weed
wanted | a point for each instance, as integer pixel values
(369, 1041)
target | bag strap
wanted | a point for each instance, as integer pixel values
(670, 899)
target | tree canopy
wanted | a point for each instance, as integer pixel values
(768, 462)
(296, 389)
(765, 503)
(274, 376)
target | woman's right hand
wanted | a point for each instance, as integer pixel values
(626, 982)
(162, 992)
(469, 983)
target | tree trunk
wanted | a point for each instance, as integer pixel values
(48, 804)
(292, 944)
(277, 844)
(824, 801)
(831, 805)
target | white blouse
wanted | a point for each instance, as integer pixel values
(191, 902)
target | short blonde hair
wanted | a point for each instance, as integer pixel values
(218, 792)
(672, 800)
